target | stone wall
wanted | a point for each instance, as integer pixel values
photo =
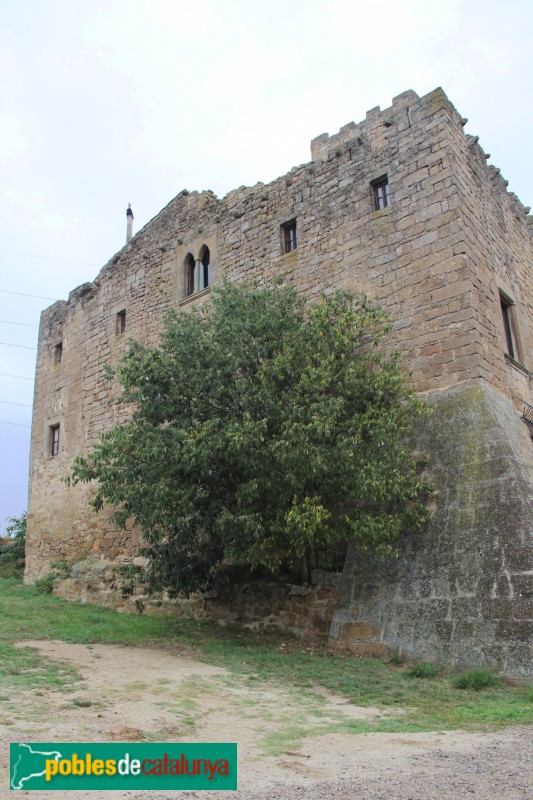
(462, 592)
(437, 258)
(261, 605)
(498, 244)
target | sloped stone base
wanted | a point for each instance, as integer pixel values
(462, 592)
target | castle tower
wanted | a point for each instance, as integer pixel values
(402, 206)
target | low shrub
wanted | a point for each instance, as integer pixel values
(477, 679)
(46, 585)
(423, 670)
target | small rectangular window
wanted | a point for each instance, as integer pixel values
(121, 322)
(58, 353)
(506, 307)
(380, 189)
(288, 236)
(54, 440)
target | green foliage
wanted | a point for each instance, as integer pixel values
(59, 570)
(12, 552)
(265, 433)
(15, 552)
(477, 679)
(45, 585)
(423, 670)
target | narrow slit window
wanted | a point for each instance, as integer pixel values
(58, 353)
(289, 236)
(506, 307)
(121, 322)
(54, 440)
(380, 189)
(204, 268)
(190, 274)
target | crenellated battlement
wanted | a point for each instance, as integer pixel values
(369, 132)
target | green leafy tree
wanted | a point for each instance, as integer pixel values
(265, 432)
(15, 551)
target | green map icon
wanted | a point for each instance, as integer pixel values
(28, 763)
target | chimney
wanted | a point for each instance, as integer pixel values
(129, 223)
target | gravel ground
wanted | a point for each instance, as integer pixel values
(498, 767)
(446, 765)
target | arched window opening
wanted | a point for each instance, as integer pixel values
(204, 267)
(190, 269)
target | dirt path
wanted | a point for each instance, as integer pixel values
(137, 694)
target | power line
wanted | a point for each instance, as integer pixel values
(50, 258)
(24, 324)
(11, 403)
(22, 294)
(22, 377)
(23, 346)
(17, 424)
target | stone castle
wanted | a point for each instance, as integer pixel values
(406, 208)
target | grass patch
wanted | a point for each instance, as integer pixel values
(424, 670)
(477, 679)
(434, 704)
(28, 614)
(22, 667)
(82, 702)
(45, 585)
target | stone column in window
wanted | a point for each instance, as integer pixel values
(197, 284)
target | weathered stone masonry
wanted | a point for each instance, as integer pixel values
(451, 245)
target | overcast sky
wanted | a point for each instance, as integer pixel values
(105, 103)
